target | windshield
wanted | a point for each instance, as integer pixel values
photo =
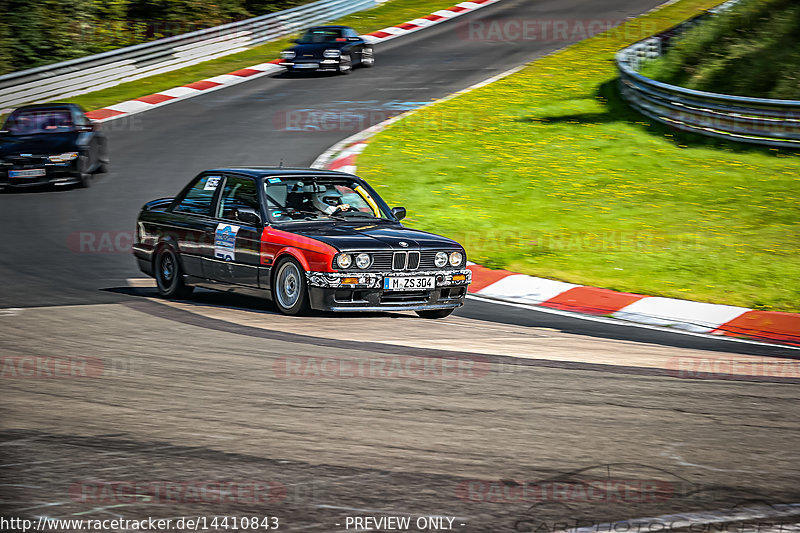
(318, 35)
(39, 121)
(312, 198)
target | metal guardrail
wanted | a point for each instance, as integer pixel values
(100, 71)
(753, 120)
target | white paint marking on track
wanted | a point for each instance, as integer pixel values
(684, 520)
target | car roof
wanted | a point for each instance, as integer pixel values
(262, 172)
(64, 105)
(332, 27)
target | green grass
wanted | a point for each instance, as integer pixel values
(751, 50)
(549, 173)
(389, 14)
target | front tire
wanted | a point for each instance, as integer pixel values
(289, 290)
(345, 65)
(84, 176)
(368, 57)
(169, 275)
(438, 313)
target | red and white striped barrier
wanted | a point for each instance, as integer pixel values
(176, 94)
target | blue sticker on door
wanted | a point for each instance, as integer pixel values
(225, 242)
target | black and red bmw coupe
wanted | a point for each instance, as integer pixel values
(303, 238)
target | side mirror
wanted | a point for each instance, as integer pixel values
(248, 215)
(399, 212)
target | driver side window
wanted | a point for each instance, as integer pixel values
(239, 192)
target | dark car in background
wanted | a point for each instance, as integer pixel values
(303, 238)
(53, 144)
(328, 49)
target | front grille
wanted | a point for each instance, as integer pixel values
(382, 261)
(399, 261)
(24, 162)
(405, 297)
(413, 261)
(404, 261)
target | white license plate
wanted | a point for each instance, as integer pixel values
(306, 65)
(32, 173)
(409, 284)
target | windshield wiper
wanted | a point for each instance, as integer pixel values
(358, 214)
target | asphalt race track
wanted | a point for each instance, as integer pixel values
(498, 417)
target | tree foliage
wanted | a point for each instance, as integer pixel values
(40, 32)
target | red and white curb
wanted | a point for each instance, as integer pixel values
(197, 88)
(685, 315)
(436, 17)
(176, 94)
(695, 317)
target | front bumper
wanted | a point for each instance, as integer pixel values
(311, 65)
(54, 174)
(328, 292)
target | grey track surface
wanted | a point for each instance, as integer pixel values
(188, 399)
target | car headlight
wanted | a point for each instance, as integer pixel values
(288, 54)
(441, 259)
(456, 258)
(363, 260)
(63, 158)
(344, 260)
(330, 54)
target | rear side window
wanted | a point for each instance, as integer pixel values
(198, 199)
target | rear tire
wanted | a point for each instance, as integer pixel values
(169, 274)
(439, 313)
(289, 289)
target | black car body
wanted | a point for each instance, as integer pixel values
(50, 144)
(301, 237)
(328, 49)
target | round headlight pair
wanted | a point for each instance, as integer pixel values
(345, 261)
(288, 54)
(441, 259)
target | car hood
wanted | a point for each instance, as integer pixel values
(373, 237)
(40, 144)
(316, 50)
